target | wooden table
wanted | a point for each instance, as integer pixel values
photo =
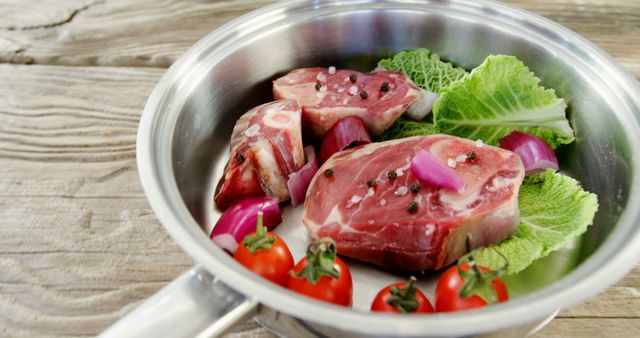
(79, 245)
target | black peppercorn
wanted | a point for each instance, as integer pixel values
(415, 188)
(392, 175)
(384, 87)
(371, 183)
(412, 207)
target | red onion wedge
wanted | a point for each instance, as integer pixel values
(430, 170)
(535, 153)
(240, 220)
(299, 181)
(423, 106)
(348, 131)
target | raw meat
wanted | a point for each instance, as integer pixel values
(372, 218)
(266, 146)
(327, 95)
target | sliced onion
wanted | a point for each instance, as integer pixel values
(535, 153)
(241, 218)
(428, 169)
(299, 181)
(423, 106)
(346, 132)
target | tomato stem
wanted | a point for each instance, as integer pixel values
(261, 240)
(478, 282)
(404, 298)
(321, 255)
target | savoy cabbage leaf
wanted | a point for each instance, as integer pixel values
(497, 97)
(554, 210)
(424, 68)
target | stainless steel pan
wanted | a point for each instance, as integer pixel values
(183, 144)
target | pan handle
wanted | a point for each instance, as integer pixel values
(194, 305)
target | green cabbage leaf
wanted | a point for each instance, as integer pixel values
(497, 97)
(424, 68)
(554, 210)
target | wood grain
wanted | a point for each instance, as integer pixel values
(591, 327)
(112, 33)
(79, 245)
(613, 26)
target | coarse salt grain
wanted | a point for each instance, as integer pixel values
(479, 143)
(370, 192)
(402, 191)
(353, 90)
(499, 181)
(461, 158)
(399, 172)
(332, 70)
(430, 230)
(253, 130)
(321, 77)
(340, 90)
(355, 199)
(452, 163)
(382, 202)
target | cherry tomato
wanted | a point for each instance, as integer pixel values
(401, 298)
(449, 285)
(273, 263)
(265, 253)
(337, 289)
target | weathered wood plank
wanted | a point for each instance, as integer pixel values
(79, 245)
(96, 123)
(613, 313)
(612, 25)
(614, 302)
(110, 32)
(590, 327)
(155, 33)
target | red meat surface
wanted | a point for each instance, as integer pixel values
(266, 146)
(373, 223)
(326, 96)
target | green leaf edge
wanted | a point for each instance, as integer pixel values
(586, 208)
